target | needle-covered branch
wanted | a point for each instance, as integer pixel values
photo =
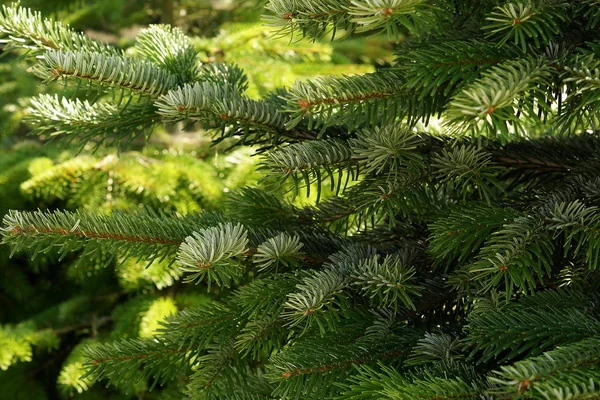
(142, 236)
(21, 27)
(461, 236)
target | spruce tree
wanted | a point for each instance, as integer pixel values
(452, 249)
(51, 306)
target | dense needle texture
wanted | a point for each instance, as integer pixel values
(451, 249)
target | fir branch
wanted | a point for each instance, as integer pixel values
(388, 150)
(378, 199)
(310, 275)
(581, 226)
(220, 375)
(282, 249)
(17, 342)
(492, 99)
(524, 22)
(337, 213)
(266, 296)
(554, 299)
(131, 361)
(569, 371)
(393, 16)
(352, 101)
(170, 49)
(289, 16)
(321, 293)
(52, 182)
(213, 253)
(191, 101)
(311, 161)
(178, 345)
(24, 28)
(199, 327)
(260, 208)
(507, 334)
(468, 168)
(436, 347)
(224, 73)
(113, 71)
(339, 365)
(387, 383)
(132, 235)
(459, 234)
(260, 338)
(316, 300)
(559, 154)
(386, 282)
(221, 108)
(591, 12)
(307, 370)
(100, 121)
(581, 105)
(516, 255)
(349, 256)
(442, 68)
(531, 163)
(415, 16)
(70, 379)
(211, 366)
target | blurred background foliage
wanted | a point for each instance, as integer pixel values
(49, 307)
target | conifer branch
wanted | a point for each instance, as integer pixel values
(260, 337)
(213, 253)
(445, 67)
(311, 19)
(222, 108)
(85, 121)
(581, 104)
(353, 100)
(136, 360)
(492, 98)
(282, 249)
(316, 300)
(388, 150)
(170, 49)
(113, 71)
(581, 226)
(429, 384)
(138, 236)
(212, 366)
(224, 73)
(519, 254)
(455, 235)
(468, 167)
(312, 161)
(526, 331)
(567, 371)
(590, 9)
(416, 16)
(297, 370)
(460, 233)
(387, 283)
(525, 22)
(22, 27)
(199, 327)
(51, 182)
(266, 296)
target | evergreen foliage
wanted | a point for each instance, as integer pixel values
(452, 252)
